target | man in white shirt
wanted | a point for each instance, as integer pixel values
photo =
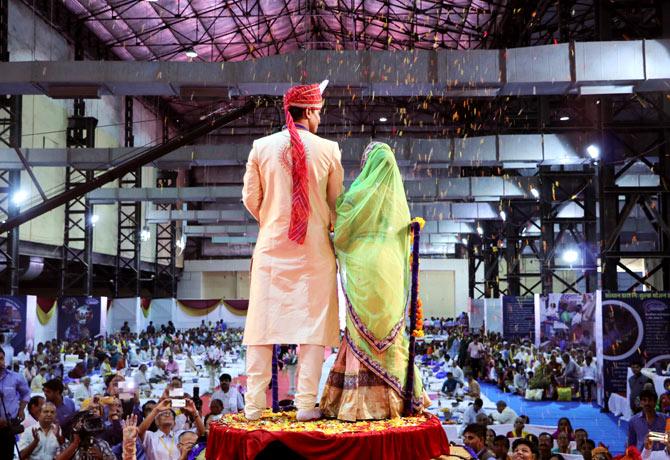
(84, 391)
(145, 355)
(34, 408)
(589, 371)
(23, 356)
(163, 443)
(471, 413)
(140, 377)
(41, 441)
(230, 397)
(39, 380)
(504, 414)
(157, 373)
(458, 373)
(475, 352)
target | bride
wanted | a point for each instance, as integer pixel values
(371, 241)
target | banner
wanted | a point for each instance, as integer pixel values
(13, 321)
(78, 318)
(477, 312)
(636, 327)
(493, 316)
(518, 316)
(567, 320)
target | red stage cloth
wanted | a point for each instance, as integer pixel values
(422, 442)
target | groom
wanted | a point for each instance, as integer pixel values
(291, 184)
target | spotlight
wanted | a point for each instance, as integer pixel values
(145, 234)
(503, 215)
(191, 52)
(20, 197)
(94, 219)
(383, 119)
(534, 192)
(570, 256)
(593, 151)
(564, 118)
(480, 230)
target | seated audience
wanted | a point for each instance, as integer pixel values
(504, 414)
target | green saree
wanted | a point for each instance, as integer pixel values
(372, 246)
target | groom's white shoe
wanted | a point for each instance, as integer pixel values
(306, 415)
(252, 416)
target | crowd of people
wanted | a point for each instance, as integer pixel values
(52, 410)
(463, 359)
(63, 415)
(514, 366)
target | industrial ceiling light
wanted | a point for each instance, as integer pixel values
(20, 197)
(593, 151)
(480, 230)
(534, 192)
(564, 118)
(383, 119)
(191, 52)
(503, 215)
(570, 256)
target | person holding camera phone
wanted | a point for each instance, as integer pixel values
(15, 394)
(163, 444)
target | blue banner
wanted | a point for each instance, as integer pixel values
(518, 315)
(78, 318)
(636, 327)
(13, 321)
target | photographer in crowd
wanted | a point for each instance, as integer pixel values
(15, 395)
(85, 443)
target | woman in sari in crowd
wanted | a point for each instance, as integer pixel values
(372, 244)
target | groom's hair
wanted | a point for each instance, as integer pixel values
(296, 112)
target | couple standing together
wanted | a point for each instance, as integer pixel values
(293, 188)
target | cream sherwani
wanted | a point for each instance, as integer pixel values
(293, 292)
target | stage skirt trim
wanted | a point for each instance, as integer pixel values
(417, 438)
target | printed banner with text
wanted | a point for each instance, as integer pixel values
(636, 327)
(518, 315)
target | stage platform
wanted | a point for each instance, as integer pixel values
(234, 438)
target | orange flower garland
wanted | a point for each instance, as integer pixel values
(418, 329)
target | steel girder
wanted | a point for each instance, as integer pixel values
(76, 271)
(127, 272)
(561, 188)
(653, 201)
(165, 275)
(521, 232)
(10, 181)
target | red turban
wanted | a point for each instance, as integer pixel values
(305, 97)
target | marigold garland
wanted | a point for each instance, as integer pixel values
(286, 421)
(418, 329)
